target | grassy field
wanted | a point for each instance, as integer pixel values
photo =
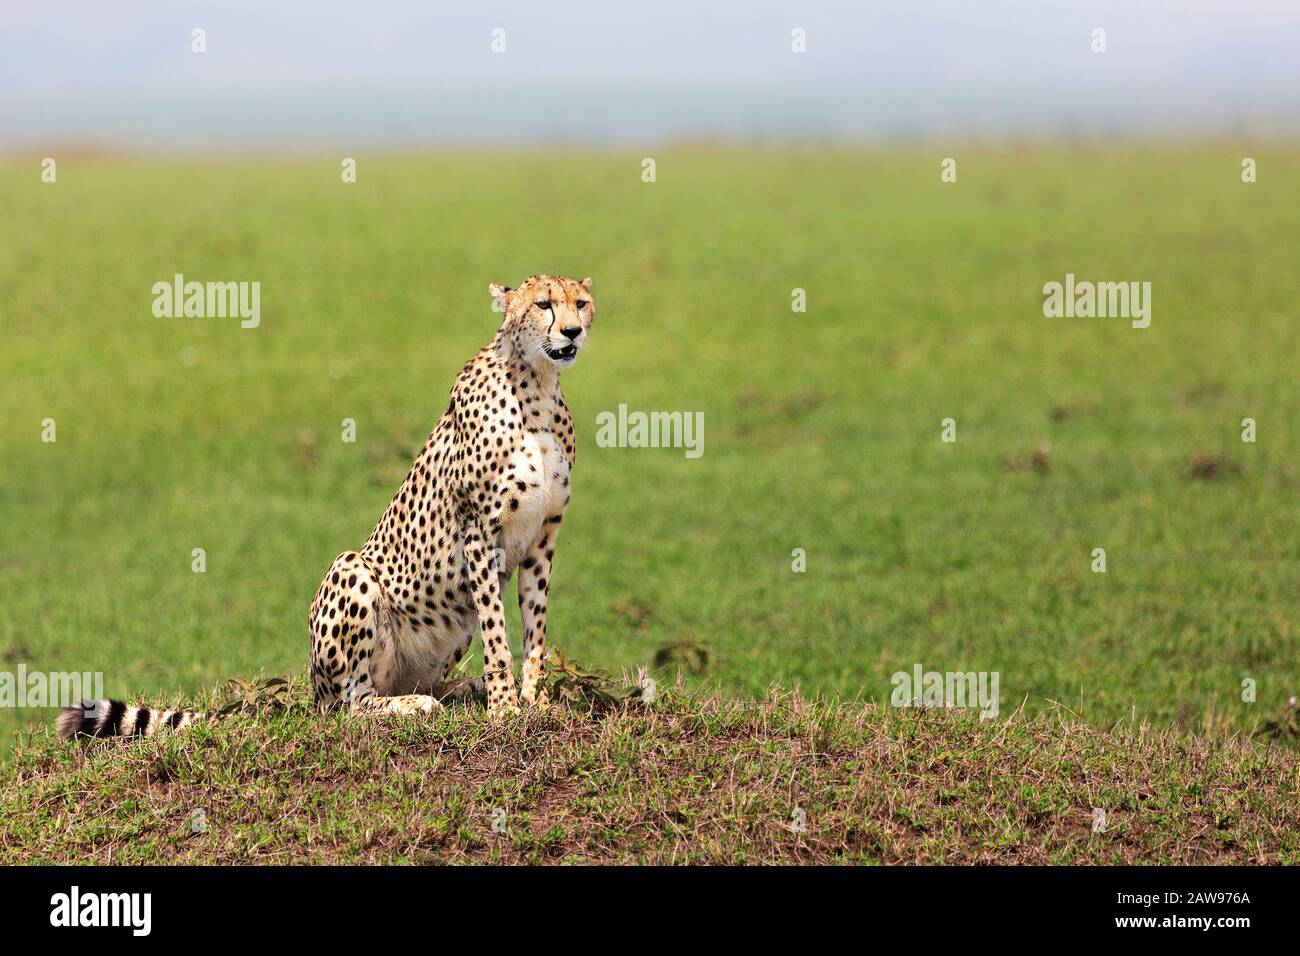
(822, 429)
(681, 781)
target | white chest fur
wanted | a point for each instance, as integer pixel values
(541, 465)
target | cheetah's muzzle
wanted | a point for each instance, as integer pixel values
(570, 351)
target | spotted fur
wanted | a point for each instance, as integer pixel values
(485, 497)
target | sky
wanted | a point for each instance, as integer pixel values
(325, 74)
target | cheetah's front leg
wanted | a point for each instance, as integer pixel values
(498, 665)
(534, 587)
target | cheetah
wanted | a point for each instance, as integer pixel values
(485, 497)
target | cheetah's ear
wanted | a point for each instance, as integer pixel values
(500, 292)
(586, 283)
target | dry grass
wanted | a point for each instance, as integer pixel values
(684, 781)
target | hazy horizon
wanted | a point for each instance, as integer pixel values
(394, 74)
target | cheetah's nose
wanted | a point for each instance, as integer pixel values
(571, 333)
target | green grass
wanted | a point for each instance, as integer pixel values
(821, 429)
(682, 781)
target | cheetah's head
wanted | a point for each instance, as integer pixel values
(547, 318)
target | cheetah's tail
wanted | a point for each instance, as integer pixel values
(112, 718)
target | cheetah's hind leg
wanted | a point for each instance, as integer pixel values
(404, 705)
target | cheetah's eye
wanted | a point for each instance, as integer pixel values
(582, 304)
(544, 305)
